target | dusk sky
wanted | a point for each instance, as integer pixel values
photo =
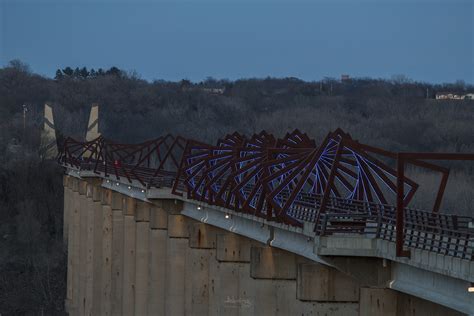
(425, 40)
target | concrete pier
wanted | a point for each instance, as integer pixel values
(177, 245)
(81, 271)
(376, 301)
(129, 250)
(117, 253)
(106, 261)
(157, 261)
(232, 290)
(67, 208)
(142, 245)
(130, 257)
(202, 254)
(320, 283)
(97, 250)
(89, 267)
(73, 246)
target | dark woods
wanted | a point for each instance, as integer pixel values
(397, 114)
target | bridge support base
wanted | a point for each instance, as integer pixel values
(142, 258)
(117, 253)
(177, 244)
(131, 257)
(157, 261)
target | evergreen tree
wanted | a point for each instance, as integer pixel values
(77, 72)
(59, 75)
(84, 73)
(114, 71)
(68, 71)
(93, 74)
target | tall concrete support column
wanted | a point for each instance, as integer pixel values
(142, 218)
(158, 240)
(320, 283)
(128, 302)
(106, 260)
(82, 273)
(408, 305)
(202, 251)
(275, 274)
(177, 244)
(97, 250)
(89, 267)
(231, 290)
(377, 301)
(382, 301)
(117, 253)
(275, 271)
(67, 208)
(73, 247)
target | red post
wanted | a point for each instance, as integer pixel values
(400, 222)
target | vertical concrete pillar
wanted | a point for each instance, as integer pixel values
(73, 248)
(142, 218)
(317, 282)
(232, 291)
(106, 261)
(275, 270)
(408, 305)
(97, 250)
(66, 208)
(202, 250)
(82, 277)
(157, 261)
(275, 273)
(117, 253)
(89, 266)
(377, 301)
(129, 226)
(177, 244)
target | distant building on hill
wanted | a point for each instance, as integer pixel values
(345, 78)
(214, 90)
(469, 96)
(454, 96)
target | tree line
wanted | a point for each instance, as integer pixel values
(84, 73)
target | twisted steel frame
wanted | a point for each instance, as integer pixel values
(341, 185)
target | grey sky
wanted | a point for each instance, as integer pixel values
(425, 40)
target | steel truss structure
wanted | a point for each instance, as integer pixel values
(151, 163)
(339, 185)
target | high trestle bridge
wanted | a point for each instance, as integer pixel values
(326, 201)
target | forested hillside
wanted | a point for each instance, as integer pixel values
(397, 114)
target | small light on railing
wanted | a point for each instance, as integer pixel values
(108, 181)
(143, 191)
(118, 184)
(129, 187)
(199, 208)
(471, 288)
(227, 216)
